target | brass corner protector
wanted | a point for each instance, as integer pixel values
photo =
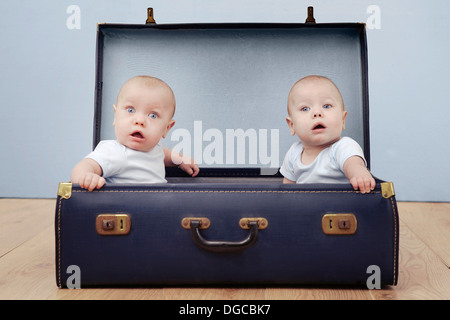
(65, 190)
(387, 189)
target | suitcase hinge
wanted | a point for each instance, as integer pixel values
(65, 190)
(310, 18)
(387, 190)
(150, 18)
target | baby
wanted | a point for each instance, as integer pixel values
(317, 116)
(142, 116)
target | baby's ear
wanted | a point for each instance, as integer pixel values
(169, 126)
(115, 108)
(291, 125)
(343, 120)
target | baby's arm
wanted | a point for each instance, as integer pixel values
(358, 175)
(186, 164)
(285, 180)
(87, 174)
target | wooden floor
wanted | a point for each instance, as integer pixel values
(27, 268)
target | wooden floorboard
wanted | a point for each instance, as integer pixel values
(431, 224)
(27, 266)
(22, 219)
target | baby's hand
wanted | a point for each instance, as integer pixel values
(91, 181)
(365, 184)
(189, 166)
(87, 173)
(358, 175)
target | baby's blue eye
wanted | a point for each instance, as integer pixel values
(327, 106)
(305, 109)
(130, 110)
(153, 115)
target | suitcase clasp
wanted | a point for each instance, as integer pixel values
(118, 224)
(339, 224)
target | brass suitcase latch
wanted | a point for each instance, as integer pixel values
(339, 224)
(110, 224)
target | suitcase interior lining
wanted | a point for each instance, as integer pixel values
(232, 77)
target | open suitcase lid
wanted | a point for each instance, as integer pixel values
(231, 82)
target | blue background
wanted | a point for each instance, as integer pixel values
(48, 76)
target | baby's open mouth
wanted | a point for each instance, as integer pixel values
(137, 134)
(318, 126)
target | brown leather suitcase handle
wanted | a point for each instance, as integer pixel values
(224, 246)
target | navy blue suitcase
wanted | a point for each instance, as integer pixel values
(236, 223)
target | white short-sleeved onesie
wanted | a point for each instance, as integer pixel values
(328, 167)
(121, 164)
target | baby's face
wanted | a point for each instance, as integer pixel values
(316, 112)
(143, 115)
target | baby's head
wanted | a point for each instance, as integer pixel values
(316, 111)
(143, 112)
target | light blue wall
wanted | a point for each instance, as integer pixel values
(47, 82)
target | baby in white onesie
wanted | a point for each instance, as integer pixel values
(317, 116)
(142, 116)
